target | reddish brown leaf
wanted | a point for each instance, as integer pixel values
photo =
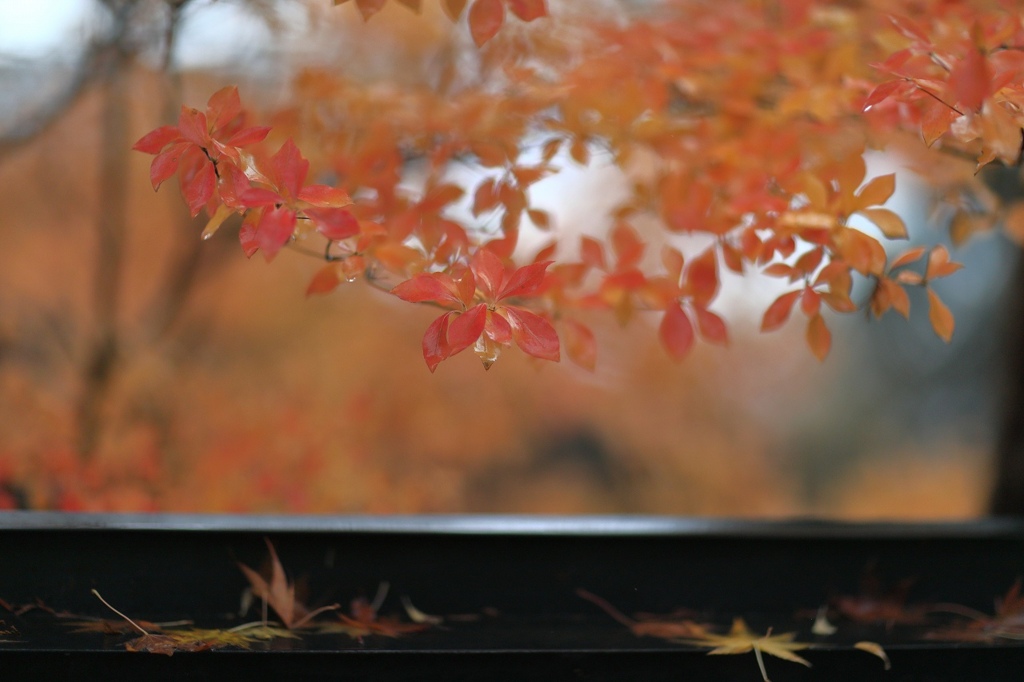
(819, 338)
(485, 20)
(580, 344)
(453, 8)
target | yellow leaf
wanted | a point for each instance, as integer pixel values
(876, 650)
(741, 640)
(214, 223)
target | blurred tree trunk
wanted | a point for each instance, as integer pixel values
(1008, 488)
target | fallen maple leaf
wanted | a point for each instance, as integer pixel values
(648, 625)
(740, 640)
(1006, 623)
(279, 594)
(364, 619)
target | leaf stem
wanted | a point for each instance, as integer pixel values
(107, 604)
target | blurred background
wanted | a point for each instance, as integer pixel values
(142, 369)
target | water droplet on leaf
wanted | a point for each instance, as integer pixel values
(487, 351)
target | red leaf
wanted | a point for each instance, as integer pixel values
(200, 187)
(778, 312)
(274, 231)
(465, 329)
(224, 106)
(155, 140)
(971, 80)
(711, 326)
(525, 281)
(489, 273)
(436, 287)
(247, 236)
(627, 245)
(485, 20)
(676, 332)
(435, 341)
(528, 10)
(533, 333)
(333, 223)
(192, 125)
(289, 169)
(254, 197)
(702, 278)
(247, 136)
(324, 281)
(165, 164)
(497, 328)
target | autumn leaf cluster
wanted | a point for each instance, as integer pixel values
(740, 129)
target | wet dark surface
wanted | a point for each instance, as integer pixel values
(509, 597)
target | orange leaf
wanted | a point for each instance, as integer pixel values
(324, 281)
(939, 264)
(810, 302)
(485, 20)
(889, 223)
(819, 338)
(778, 312)
(876, 192)
(940, 317)
(908, 256)
(676, 332)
